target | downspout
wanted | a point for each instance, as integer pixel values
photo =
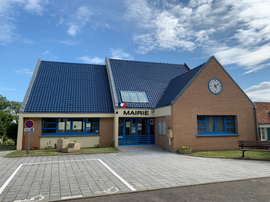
(255, 113)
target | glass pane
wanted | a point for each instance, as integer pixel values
(201, 124)
(152, 126)
(229, 118)
(92, 130)
(142, 97)
(130, 127)
(160, 128)
(63, 125)
(126, 97)
(120, 128)
(220, 124)
(230, 130)
(142, 127)
(49, 131)
(49, 125)
(201, 130)
(92, 120)
(78, 125)
(229, 123)
(49, 120)
(200, 118)
(164, 128)
(89, 125)
(134, 97)
(210, 124)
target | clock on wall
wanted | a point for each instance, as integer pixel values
(215, 86)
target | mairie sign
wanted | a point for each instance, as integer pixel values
(136, 113)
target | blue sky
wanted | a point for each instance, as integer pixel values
(170, 31)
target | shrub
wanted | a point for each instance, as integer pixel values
(9, 142)
(12, 132)
(112, 143)
(97, 146)
(48, 147)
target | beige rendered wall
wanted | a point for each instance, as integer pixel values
(198, 100)
(87, 141)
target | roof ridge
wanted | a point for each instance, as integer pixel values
(148, 62)
(71, 63)
(188, 71)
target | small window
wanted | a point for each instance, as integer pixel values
(162, 128)
(134, 97)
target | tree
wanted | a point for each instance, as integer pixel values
(4, 103)
(12, 131)
(6, 120)
(14, 109)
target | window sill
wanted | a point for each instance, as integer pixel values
(63, 136)
(218, 135)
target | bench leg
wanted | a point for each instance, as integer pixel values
(243, 154)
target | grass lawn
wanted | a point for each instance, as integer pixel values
(42, 152)
(233, 154)
(7, 147)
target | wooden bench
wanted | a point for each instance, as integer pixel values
(254, 146)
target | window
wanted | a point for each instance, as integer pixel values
(216, 125)
(70, 126)
(162, 128)
(134, 96)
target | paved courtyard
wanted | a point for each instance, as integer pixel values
(134, 168)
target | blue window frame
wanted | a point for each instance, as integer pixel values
(134, 96)
(70, 126)
(216, 125)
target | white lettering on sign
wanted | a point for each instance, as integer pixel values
(29, 129)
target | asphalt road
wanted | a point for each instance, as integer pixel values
(244, 190)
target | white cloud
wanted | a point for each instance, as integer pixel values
(46, 52)
(68, 42)
(237, 32)
(94, 60)
(8, 15)
(24, 71)
(118, 53)
(259, 92)
(78, 20)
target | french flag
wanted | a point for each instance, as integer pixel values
(123, 105)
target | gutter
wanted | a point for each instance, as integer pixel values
(256, 123)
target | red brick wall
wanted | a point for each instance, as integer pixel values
(106, 131)
(198, 100)
(34, 136)
(163, 140)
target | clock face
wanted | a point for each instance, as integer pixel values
(215, 86)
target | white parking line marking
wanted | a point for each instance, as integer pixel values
(59, 161)
(116, 175)
(68, 197)
(10, 178)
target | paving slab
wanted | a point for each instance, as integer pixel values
(134, 168)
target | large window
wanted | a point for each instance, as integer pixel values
(162, 128)
(216, 125)
(70, 126)
(134, 96)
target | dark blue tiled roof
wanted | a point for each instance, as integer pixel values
(176, 86)
(70, 87)
(153, 78)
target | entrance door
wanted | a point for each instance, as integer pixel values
(134, 131)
